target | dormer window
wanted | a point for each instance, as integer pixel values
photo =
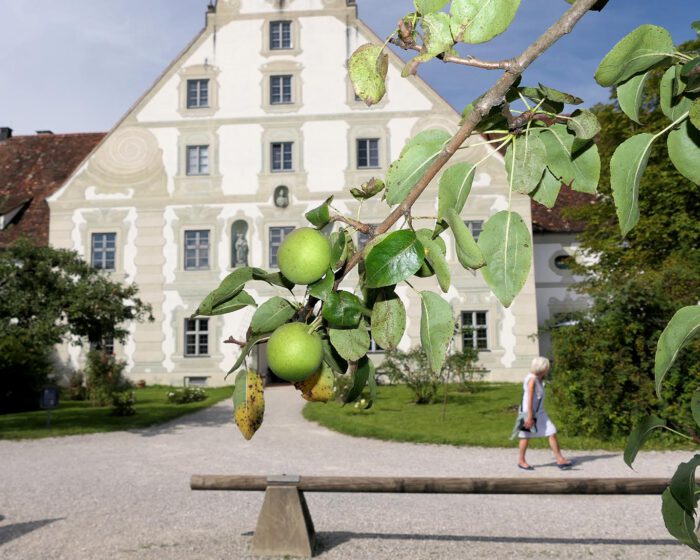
(280, 35)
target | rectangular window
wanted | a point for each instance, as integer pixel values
(106, 345)
(196, 337)
(277, 235)
(474, 330)
(280, 35)
(197, 160)
(281, 156)
(104, 250)
(367, 153)
(280, 89)
(197, 250)
(197, 94)
(475, 226)
(374, 348)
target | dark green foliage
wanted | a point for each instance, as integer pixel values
(46, 295)
(604, 364)
(123, 403)
(104, 376)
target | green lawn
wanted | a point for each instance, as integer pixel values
(484, 418)
(80, 417)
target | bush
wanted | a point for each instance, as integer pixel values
(24, 368)
(461, 368)
(186, 395)
(412, 369)
(123, 403)
(105, 376)
(76, 389)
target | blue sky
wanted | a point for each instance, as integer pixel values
(78, 65)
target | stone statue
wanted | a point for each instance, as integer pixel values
(241, 250)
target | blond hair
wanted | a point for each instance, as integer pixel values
(539, 365)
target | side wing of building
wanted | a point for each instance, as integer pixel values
(254, 124)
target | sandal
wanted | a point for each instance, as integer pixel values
(528, 468)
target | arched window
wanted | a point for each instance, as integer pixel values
(239, 244)
(281, 197)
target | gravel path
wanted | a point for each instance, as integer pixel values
(126, 495)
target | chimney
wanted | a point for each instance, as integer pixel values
(45, 132)
(5, 133)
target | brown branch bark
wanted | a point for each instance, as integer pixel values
(491, 98)
(464, 61)
(358, 226)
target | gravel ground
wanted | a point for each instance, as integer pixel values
(126, 495)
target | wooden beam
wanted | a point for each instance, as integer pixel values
(430, 485)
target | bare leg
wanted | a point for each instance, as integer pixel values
(554, 444)
(523, 448)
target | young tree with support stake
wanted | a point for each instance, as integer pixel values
(327, 335)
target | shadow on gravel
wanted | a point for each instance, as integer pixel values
(327, 540)
(16, 530)
(214, 416)
(580, 460)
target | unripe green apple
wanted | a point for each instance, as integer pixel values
(293, 353)
(304, 256)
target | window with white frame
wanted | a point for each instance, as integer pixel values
(475, 226)
(196, 337)
(474, 330)
(197, 250)
(281, 156)
(104, 251)
(281, 89)
(105, 345)
(197, 94)
(367, 153)
(277, 235)
(374, 348)
(280, 35)
(197, 160)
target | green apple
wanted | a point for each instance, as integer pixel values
(304, 256)
(293, 353)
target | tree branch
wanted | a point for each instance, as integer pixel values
(358, 226)
(464, 61)
(491, 98)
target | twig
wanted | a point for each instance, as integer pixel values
(232, 340)
(410, 45)
(357, 225)
(491, 98)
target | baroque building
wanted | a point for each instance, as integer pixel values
(251, 126)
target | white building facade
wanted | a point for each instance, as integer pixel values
(254, 124)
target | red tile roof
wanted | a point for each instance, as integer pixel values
(31, 169)
(554, 220)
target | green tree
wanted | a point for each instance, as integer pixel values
(46, 296)
(604, 361)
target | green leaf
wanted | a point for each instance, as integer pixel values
(468, 253)
(582, 171)
(695, 406)
(273, 313)
(584, 124)
(672, 105)
(229, 287)
(436, 258)
(627, 166)
(478, 21)
(558, 96)
(395, 258)
(351, 344)
(250, 344)
(637, 52)
(526, 168)
(548, 190)
(455, 186)
(598, 6)
(272, 278)
(322, 288)
(369, 189)
(368, 67)
(690, 76)
(240, 393)
(534, 94)
(429, 6)
(241, 300)
(365, 370)
(332, 359)
(436, 328)
(493, 120)
(695, 113)
(320, 216)
(696, 27)
(507, 247)
(682, 327)
(343, 310)
(341, 248)
(684, 151)
(640, 433)
(683, 485)
(630, 93)
(418, 154)
(679, 523)
(388, 320)
(437, 37)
